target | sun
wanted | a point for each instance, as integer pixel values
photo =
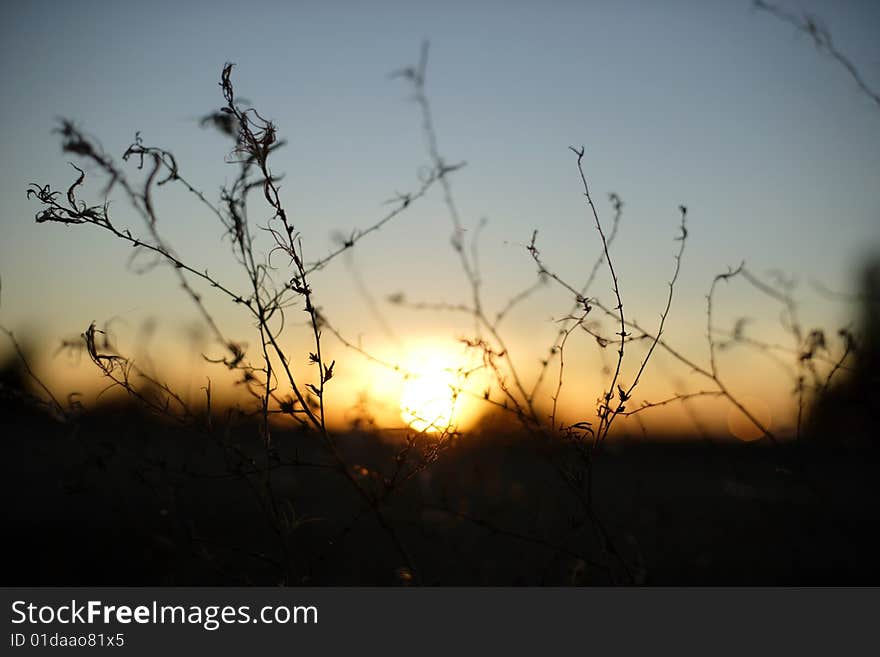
(429, 395)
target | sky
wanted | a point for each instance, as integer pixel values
(770, 145)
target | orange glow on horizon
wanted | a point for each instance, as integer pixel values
(741, 427)
(431, 391)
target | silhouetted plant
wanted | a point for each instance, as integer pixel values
(822, 40)
(273, 380)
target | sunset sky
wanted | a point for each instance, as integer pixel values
(769, 143)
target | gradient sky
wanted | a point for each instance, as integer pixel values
(769, 143)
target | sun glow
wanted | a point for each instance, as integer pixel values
(429, 397)
(744, 429)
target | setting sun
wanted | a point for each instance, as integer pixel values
(428, 396)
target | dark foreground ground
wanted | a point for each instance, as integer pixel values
(124, 499)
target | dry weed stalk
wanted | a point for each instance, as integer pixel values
(275, 381)
(822, 40)
(516, 396)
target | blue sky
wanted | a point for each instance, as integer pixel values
(711, 104)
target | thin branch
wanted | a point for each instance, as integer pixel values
(821, 37)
